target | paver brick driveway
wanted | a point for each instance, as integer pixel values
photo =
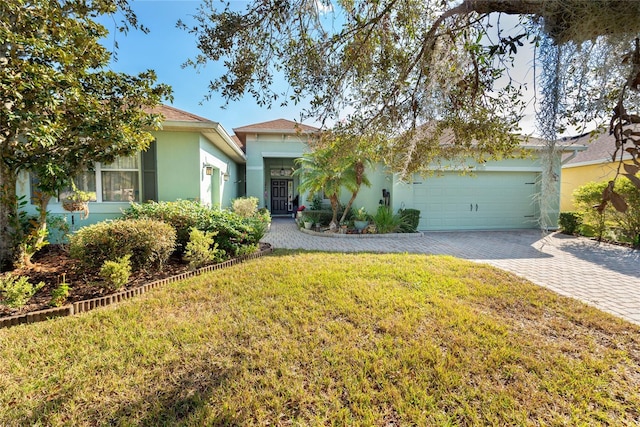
(600, 274)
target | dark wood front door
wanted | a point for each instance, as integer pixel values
(279, 196)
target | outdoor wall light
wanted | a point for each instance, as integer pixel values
(208, 169)
(225, 176)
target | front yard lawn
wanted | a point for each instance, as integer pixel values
(304, 338)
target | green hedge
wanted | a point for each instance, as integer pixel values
(411, 219)
(569, 222)
(233, 232)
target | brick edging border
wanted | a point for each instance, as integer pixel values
(359, 236)
(87, 305)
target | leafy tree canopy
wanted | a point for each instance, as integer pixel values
(400, 67)
(61, 109)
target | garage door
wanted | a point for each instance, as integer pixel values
(484, 201)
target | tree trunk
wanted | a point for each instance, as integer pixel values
(33, 243)
(334, 207)
(349, 203)
(8, 216)
(359, 168)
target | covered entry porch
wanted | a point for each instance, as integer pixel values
(281, 196)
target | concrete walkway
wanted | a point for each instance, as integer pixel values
(602, 275)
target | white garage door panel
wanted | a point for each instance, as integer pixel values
(487, 200)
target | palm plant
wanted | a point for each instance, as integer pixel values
(331, 167)
(317, 174)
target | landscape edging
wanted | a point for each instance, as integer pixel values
(87, 305)
(360, 236)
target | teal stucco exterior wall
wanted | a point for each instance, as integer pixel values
(180, 156)
(178, 170)
(271, 151)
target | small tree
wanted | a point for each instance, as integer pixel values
(60, 110)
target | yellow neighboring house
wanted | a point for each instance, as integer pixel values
(593, 164)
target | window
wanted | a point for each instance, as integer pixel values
(86, 181)
(121, 180)
(113, 182)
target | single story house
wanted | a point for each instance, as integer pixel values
(191, 158)
(195, 158)
(497, 195)
(595, 163)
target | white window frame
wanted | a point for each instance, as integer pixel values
(99, 187)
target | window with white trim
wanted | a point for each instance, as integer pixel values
(121, 180)
(111, 182)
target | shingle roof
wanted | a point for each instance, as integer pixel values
(278, 125)
(273, 126)
(235, 139)
(174, 114)
(600, 148)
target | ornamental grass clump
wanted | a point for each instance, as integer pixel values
(386, 221)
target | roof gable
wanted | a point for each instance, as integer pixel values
(276, 126)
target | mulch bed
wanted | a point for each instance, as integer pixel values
(52, 265)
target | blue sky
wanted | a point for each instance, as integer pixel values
(165, 48)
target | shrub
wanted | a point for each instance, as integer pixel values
(586, 198)
(15, 290)
(316, 202)
(258, 228)
(246, 207)
(117, 272)
(182, 215)
(264, 215)
(60, 294)
(247, 250)
(612, 224)
(322, 216)
(201, 249)
(149, 242)
(569, 222)
(386, 221)
(410, 220)
(232, 231)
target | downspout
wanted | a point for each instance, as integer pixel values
(574, 154)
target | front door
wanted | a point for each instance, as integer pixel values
(279, 197)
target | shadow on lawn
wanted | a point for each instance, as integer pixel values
(181, 397)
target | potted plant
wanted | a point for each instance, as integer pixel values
(307, 221)
(77, 201)
(360, 219)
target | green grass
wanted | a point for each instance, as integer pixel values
(328, 339)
